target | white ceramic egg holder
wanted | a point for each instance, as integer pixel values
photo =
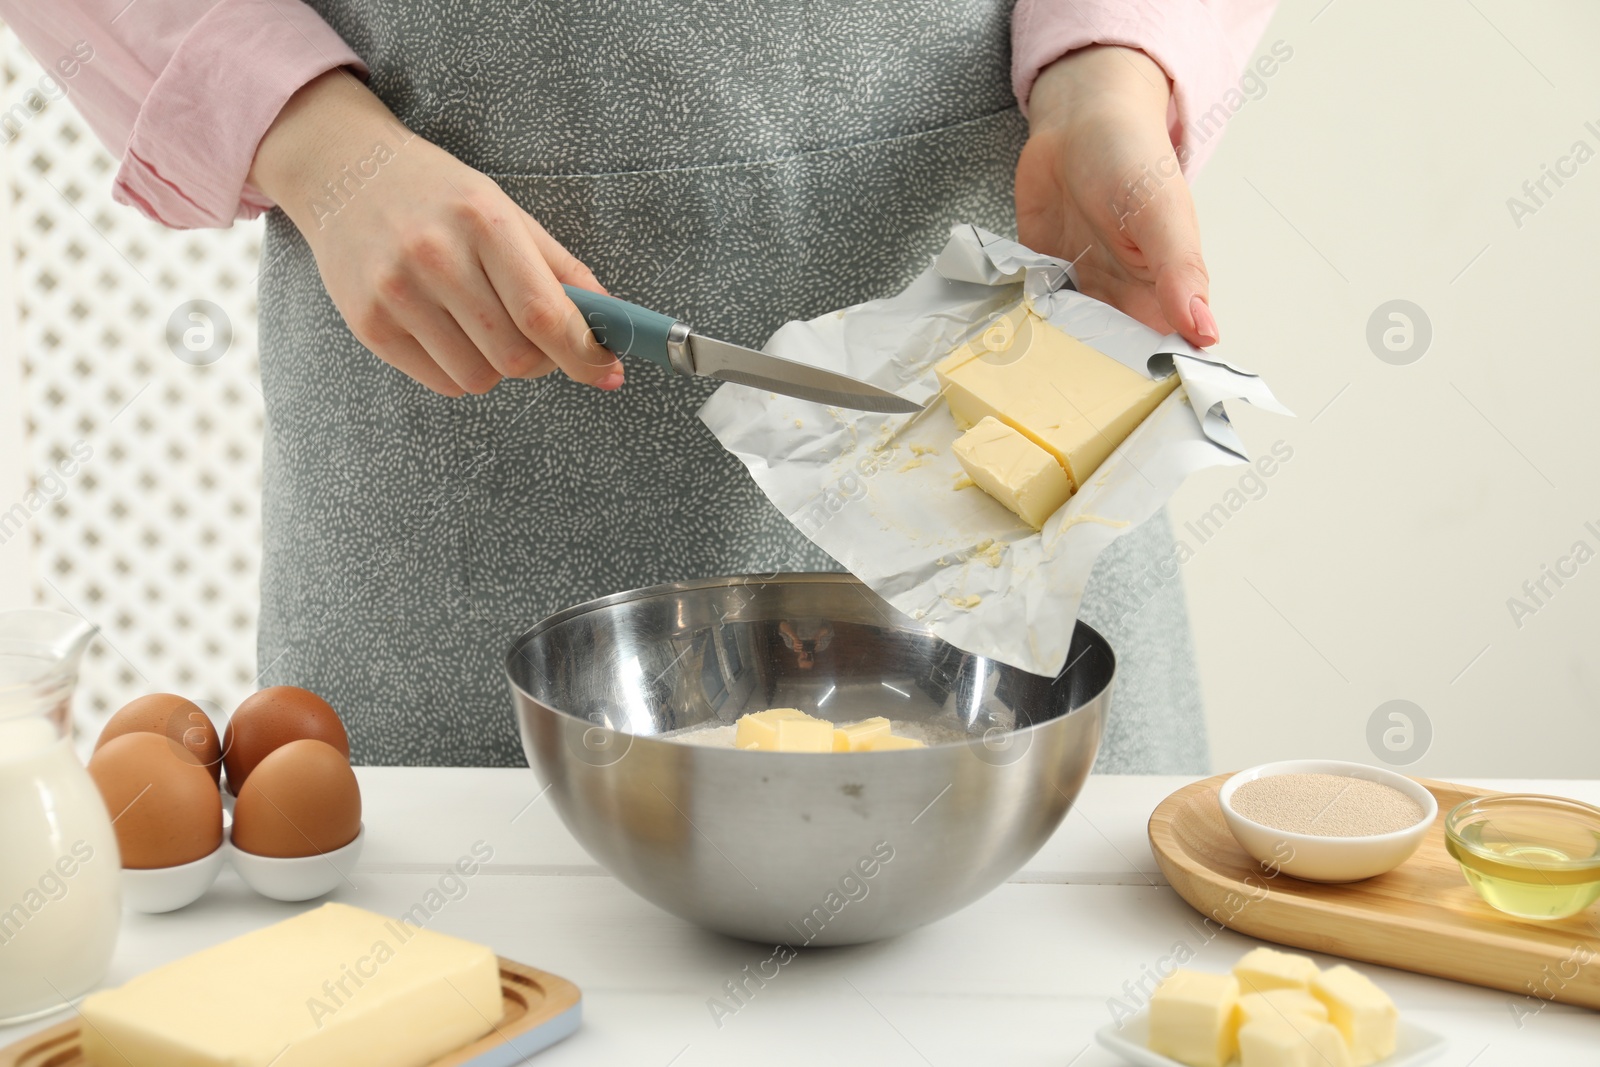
(156, 890)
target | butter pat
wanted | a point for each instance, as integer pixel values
(1074, 402)
(1013, 470)
(1363, 1013)
(890, 743)
(330, 987)
(1264, 969)
(855, 736)
(783, 730)
(1192, 1018)
(1295, 1041)
(1279, 1003)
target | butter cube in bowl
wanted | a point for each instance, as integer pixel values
(1265, 970)
(1192, 1018)
(784, 730)
(1292, 1041)
(1278, 1002)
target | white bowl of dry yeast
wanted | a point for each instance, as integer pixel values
(1327, 820)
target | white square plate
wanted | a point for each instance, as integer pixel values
(1413, 1044)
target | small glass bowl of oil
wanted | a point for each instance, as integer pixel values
(1532, 856)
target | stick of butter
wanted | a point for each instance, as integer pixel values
(1363, 1013)
(1074, 402)
(1192, 1018)
(1264, 969)
(330, 987)
(1013, 470)
(1291, 1041)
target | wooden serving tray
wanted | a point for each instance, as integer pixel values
(1422, 916)
(540, 1009)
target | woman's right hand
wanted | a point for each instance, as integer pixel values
(433, 267)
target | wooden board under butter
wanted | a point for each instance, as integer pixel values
(1422, 916)
(540, 1009)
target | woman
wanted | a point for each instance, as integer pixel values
(436, 173)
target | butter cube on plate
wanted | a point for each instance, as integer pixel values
(1074, 402)
(783, 730)
(1192, 1018)
(1263, 969)
(1013, 470)
(1278, 1003)
(1292, 1041)
(890, 743)
(1363, 1013)
(853, 737)
(329, 987)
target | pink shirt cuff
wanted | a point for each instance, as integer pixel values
(196, 133)
(1201, 46)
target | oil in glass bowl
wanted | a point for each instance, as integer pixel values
(1535, 857)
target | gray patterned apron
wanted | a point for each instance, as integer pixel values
(733, 163)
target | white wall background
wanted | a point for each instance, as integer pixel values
(155, 536)
(1373, 165)
(1377, 166)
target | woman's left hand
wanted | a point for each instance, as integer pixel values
(1098, 184)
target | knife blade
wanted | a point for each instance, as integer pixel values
(630, 330)
(733, 363)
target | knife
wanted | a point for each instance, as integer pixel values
(630, 330)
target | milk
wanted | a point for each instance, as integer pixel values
(60, 903)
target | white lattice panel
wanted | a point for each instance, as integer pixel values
(156, 537)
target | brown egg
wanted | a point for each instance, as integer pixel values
(275, 717)
(180, 719)
(164, 806)
(302, 800)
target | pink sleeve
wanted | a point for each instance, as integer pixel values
(1201, 44)
(182, 91)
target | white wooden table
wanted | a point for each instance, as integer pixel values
(1024, 976)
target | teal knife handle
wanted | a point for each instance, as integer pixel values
(626, 329)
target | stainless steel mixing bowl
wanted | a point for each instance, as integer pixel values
(799, 849)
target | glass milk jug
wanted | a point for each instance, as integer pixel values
(60, 871)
